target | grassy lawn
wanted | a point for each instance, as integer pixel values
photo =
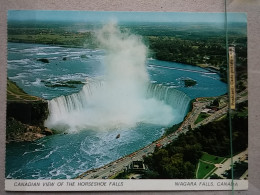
(204, 169)
(211, 158)
(71, 39)
(206, 164)
(201, 117)
(15, 93)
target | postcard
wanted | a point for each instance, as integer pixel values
(104, 101)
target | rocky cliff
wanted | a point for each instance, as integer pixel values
(25, 115)
(28, 112)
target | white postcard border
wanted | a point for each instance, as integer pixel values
(125, 185)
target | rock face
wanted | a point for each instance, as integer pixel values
(25, 115)
(189, 82)
(28, 112)
(18, 131)
(44, 60)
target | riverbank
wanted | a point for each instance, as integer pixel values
(70, 43)
(113, 168)
(119, 165)
(25, 115)
(87, 40)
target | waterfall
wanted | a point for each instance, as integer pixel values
(122, 99)
(85, 110)
(74, 102)
(173, 97)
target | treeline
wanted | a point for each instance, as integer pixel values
(189, 51)
(51, 36)
(211, 52)
(179, 159)
(203, 48)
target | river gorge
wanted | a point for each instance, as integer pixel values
(109, 91)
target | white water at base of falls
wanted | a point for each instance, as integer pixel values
(122, 100)
(96, 107)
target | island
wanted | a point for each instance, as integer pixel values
(189, 82)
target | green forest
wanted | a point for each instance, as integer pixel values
(189, 43)
(179, 159)
(205, 53)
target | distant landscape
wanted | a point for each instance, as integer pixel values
(195, 146)
(200, 44)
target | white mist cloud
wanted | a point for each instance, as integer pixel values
(121, 101)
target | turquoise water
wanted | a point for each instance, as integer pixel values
(67, 155)
(173, 74)
(27, 72)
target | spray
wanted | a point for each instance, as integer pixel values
(121, 100)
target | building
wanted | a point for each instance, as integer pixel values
(136, 166)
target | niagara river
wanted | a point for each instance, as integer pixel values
(95, 95)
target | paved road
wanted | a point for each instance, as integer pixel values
(120, 164)
(227, 164)
(213, 117)
(245, 175)
(220, 112)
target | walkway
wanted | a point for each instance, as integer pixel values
(227, 164)
(119, 165)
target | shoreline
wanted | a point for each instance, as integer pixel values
(148, 146)
(20, 126)
(163, 140)
(209, 68)
(186, 125)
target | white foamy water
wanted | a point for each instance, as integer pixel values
(64, 156)
(121, 100)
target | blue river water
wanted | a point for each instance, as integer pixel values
(67, 155)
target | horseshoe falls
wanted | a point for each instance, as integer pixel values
(124, 93)
(94, 108)
(124, 98)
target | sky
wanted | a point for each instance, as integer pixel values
(102, 16)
